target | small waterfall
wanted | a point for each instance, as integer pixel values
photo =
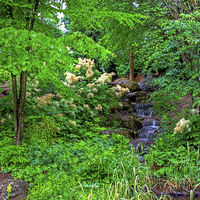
(143, 110)
(150, 123)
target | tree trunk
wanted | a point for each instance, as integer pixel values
(19, 104)
(131, 64)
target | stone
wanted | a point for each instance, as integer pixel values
(126, 104)
(124, 82)
(144, 85)
(6, 90)
(19, 189)
(127, 133)
(131, 122)
(138, 96)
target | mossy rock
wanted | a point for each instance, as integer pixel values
(124, 82)
(125, 132)
(131, 122)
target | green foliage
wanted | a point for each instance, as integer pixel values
(180, 74)
(61, 147)
(68, 163)
(191, 137)
(11, 156)
(174, 159)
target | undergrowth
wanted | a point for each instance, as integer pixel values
(65, 156)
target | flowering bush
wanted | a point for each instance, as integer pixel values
(69, 115)
(181, 125)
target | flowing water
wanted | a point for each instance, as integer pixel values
(150, 130)
(150, 123)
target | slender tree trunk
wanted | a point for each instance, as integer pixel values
(19, 104)
(131, 64)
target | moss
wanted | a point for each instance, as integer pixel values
(124, 82)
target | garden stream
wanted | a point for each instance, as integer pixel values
(146, 135)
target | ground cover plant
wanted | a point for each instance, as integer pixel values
(56, 142)
(62, 161)
(62, 154)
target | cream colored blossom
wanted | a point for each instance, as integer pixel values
(86, 106)
(181, 125)
(3, 120)
(95, 90)
(118, 87)
(73, 105)
(28, 94)
(60, 115)
(118, 94)
(85, 67)
(78, 67)
(56, 104)
(89, 73)
(58, 128)
(71, 101)
(66, 84)
(99, 108)
(120, 105)
(91, 84)
(9, 117)
(92, 114)
(58, 95)
(194, 111)
(90, 95)
(72, 122)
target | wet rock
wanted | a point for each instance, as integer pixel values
(19, 189)
(131, 122)
(124, 82)
(127, 133)
(144, 85)
(115, 117)
(141, 144)
(138, 96)
(6, 90)
(126, 103)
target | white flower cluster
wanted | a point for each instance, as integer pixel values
(3, 120)
(99, 107)
(72, 122)
(119, 91)
(181, 125)
(32, 84)
(70, 78)
(194, 111)
(105, 78)
(90, 95)
(86, 64)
